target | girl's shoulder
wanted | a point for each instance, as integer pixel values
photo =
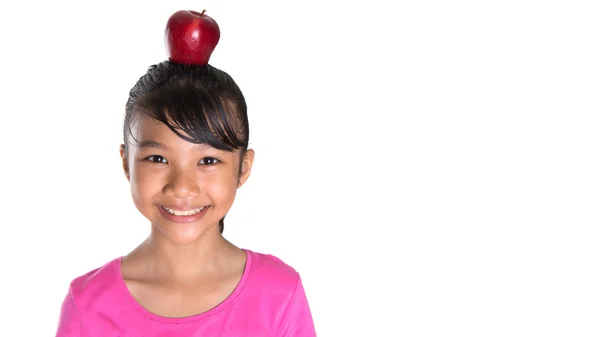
(96, 288)
(98, 279)
(269, 270)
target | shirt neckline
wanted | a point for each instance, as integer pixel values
(138, 308)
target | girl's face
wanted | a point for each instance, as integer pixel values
(184, 189)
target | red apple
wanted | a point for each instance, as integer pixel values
(191, 37)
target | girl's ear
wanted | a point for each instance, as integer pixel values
(246, 167)
(124, 160)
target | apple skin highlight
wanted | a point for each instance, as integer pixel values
(191, 37)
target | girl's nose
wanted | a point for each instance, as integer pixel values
(182, 184)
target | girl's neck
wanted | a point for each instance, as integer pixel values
(168, 261)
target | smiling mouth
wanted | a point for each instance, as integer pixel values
(183, 213)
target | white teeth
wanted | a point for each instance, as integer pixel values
(183, 213)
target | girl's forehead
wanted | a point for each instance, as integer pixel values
(151, 133)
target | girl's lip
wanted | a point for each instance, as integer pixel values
(183, 218)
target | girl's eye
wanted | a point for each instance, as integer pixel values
(208, 161)
(157, 159)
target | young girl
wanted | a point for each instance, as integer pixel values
(185, 153)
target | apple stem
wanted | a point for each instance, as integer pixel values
(204, 10)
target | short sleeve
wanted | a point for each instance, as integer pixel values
(69, 323)
(297, 320)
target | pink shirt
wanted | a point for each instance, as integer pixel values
(268, 301)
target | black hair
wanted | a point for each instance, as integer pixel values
(201, 104)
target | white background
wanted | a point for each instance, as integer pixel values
(431, 168)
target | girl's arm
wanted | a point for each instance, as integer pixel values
(70, 324)
(297, 320)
